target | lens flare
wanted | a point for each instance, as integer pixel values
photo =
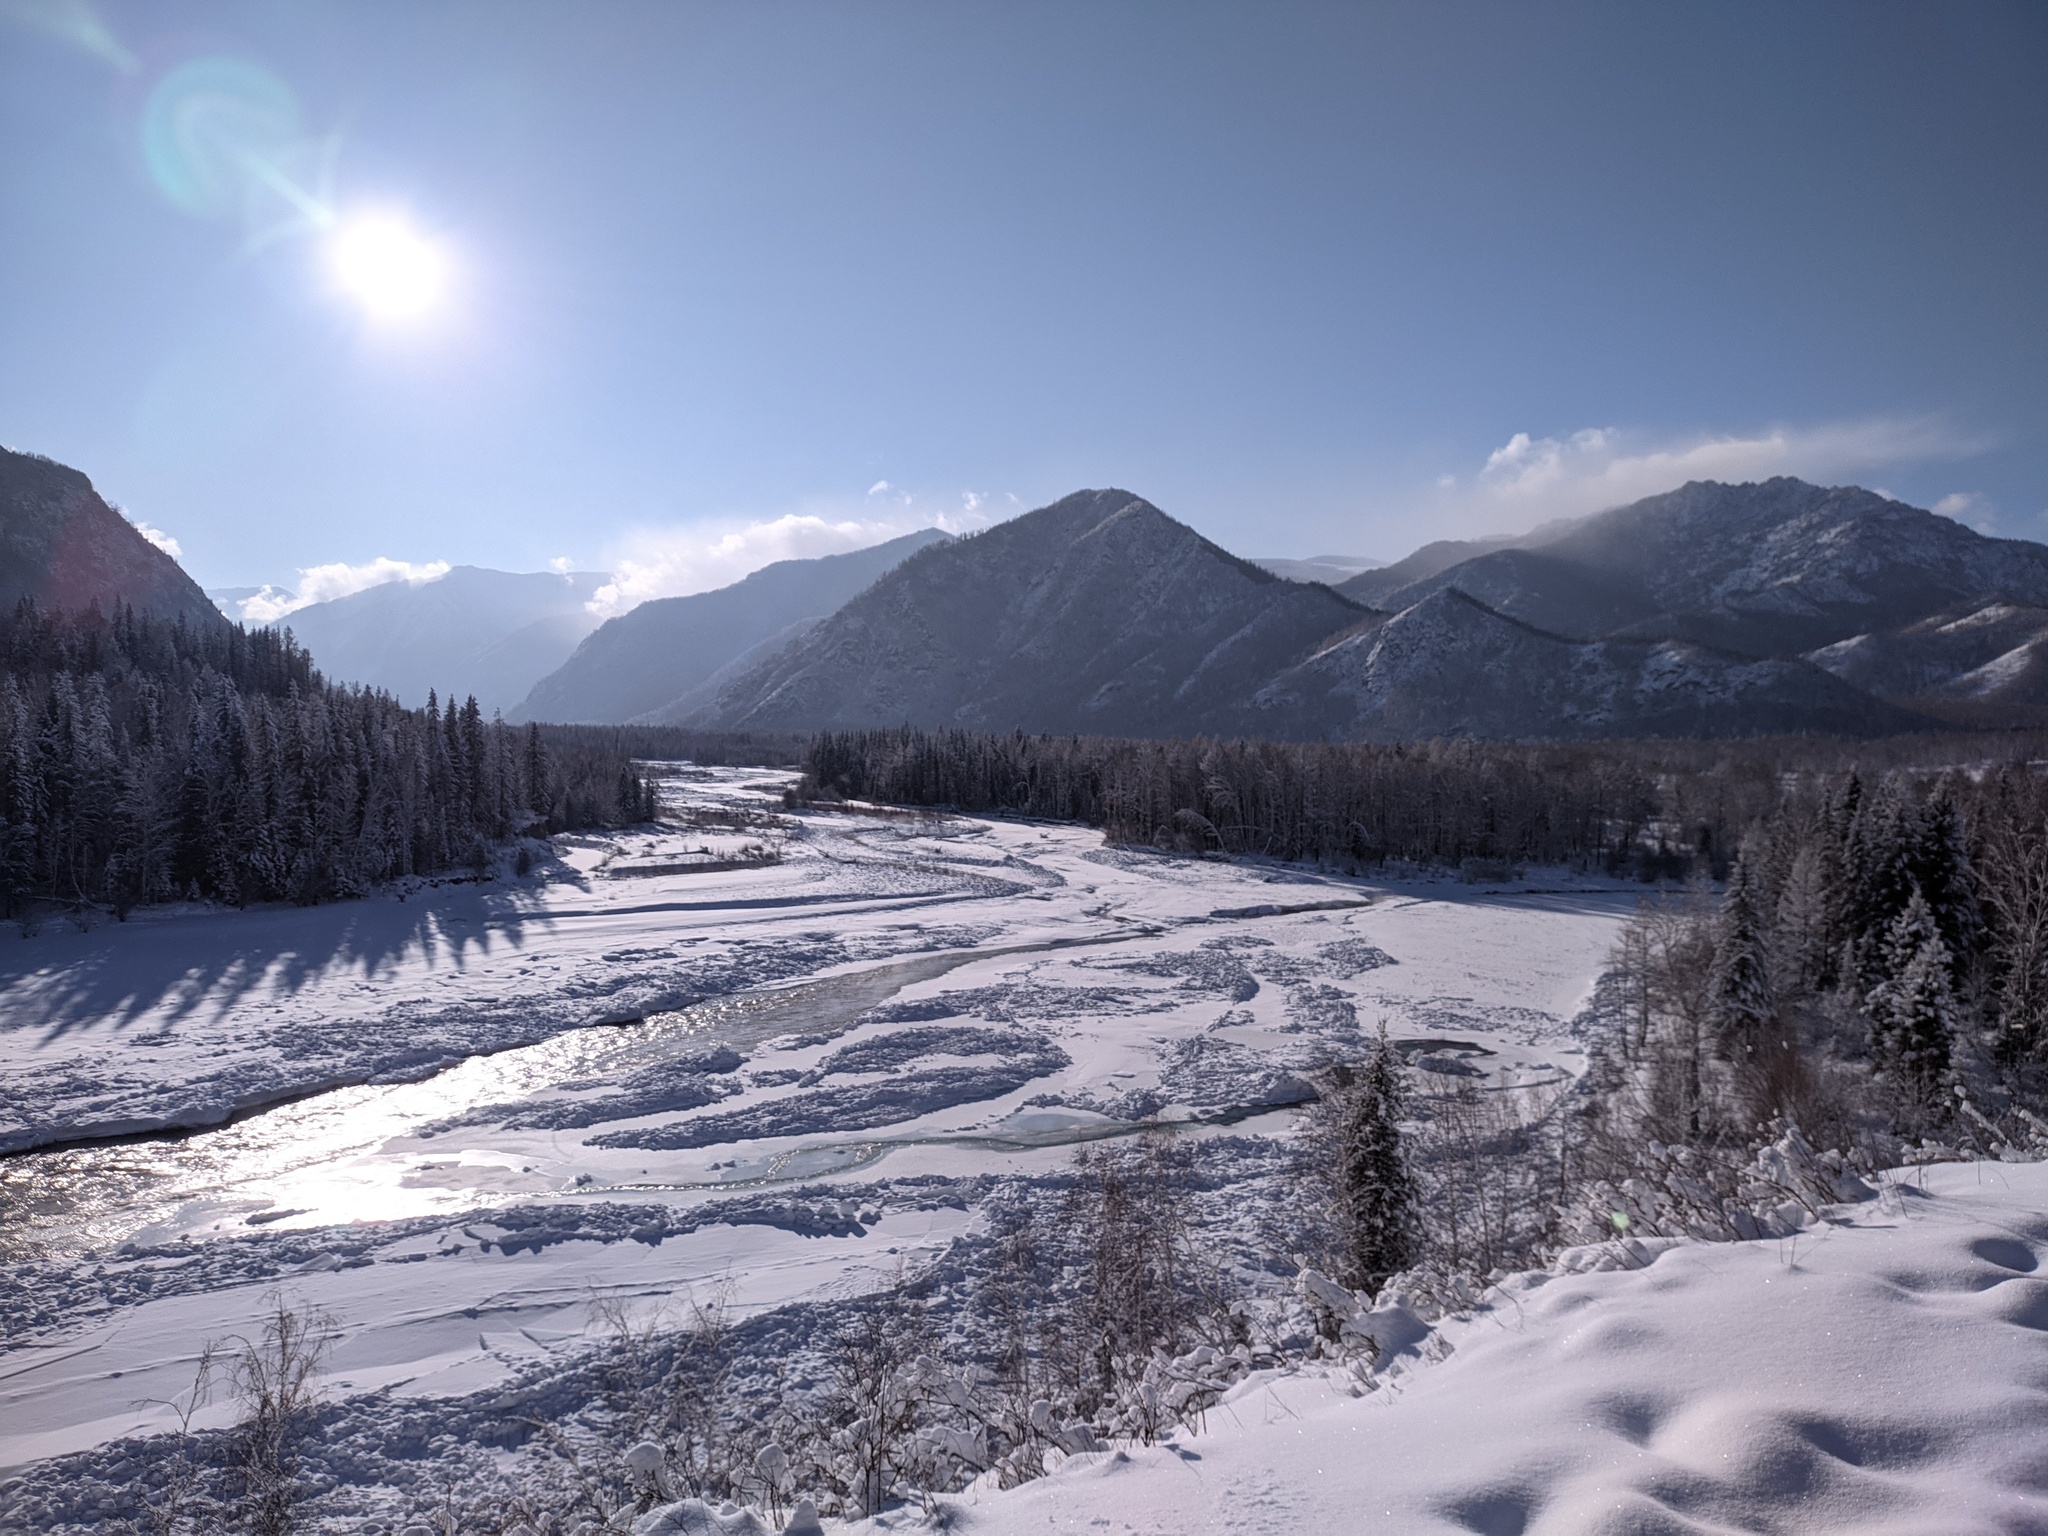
(392, 271)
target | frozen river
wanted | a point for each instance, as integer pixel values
(658, 1063)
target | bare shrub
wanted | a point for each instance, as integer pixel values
(272, 1379)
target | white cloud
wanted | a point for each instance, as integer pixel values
(1529, 479)
(324, 583)
(158, 537)
(1959, 505)
(880, 488)
(678, 561)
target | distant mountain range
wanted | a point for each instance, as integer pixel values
(1713, 610)
(64, 547)
(473, 631)
(666, 658)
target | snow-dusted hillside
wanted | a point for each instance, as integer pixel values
(1449, 666)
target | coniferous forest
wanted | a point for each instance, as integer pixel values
(142, 761)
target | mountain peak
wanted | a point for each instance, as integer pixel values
(1097, 612)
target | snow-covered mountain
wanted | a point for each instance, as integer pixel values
(63, 546)
(472, 631)
(1098, 613)
(1770, 569)
(1692, 613)
(666, 657)
(1989, 662)
(1450, 666)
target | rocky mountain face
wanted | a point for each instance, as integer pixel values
(667, 657)
(473, 631)
(1714, 610)
(1899, 603)
(1098, 613)
(63, 546)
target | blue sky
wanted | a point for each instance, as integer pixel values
(723, 282)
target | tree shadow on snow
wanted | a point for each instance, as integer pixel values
(170, 967)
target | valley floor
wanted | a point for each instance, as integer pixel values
(652, 1071)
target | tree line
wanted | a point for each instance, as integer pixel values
(1875, 971)
(144, 761)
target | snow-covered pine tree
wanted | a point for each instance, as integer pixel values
(1742, 1005)
(1912, 1011)
(1376, 1195)
(1878, 879)
(1805, 936)
(1940, 862)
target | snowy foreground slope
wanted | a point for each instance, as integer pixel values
(1885, 1373)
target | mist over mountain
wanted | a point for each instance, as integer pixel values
(473, 631)
(62, 546)
(1097, 613)
(655, 662)
(1330, 570)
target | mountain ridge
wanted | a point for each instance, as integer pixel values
(65, 547)
(1097, 612)
(646, 665)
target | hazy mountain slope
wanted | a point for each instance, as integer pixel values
(1775, 568)
(63, 546)
(1330, 570)
(490, 633)
(1449, 666)
(651, 661)
(1097, 613)
(1373, 587)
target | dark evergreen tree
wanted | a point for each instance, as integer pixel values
(1376, 1195)
(1741, 1005)
(1938, 857)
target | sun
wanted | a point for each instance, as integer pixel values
(392, 271)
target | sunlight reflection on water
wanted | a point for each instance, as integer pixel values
(330, 1158)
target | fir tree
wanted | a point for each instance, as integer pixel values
(1375, 1193)
(1912, 1011)
(1939, 858)
(1741, 1005)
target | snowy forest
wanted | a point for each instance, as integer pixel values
(144, 762)
(1655, 810)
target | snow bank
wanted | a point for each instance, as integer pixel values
(1885, 1373)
